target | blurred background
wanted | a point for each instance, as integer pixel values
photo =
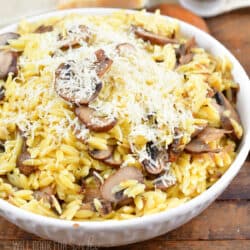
(13, 10)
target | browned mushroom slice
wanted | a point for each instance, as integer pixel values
(227, 114)
(123, 174)
(2, 146)
(183, 53)
(200, 144)
(44, 28)
(199, 129)
(25, 155)
(90, 193)
(40, 195)
(44, 194)
(164, 181)
(81, 33)
(2, 93)
(8, 63)
(156, 160)
(185, 59)
(103, 63)
(104, 209)
(72, 92)
(94, 122)
(152, 37)
(47, 195)
(112, 162)
(101, 154)
(124, 49)
(4, 38)
(210, 134)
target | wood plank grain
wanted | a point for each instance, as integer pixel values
(232, 29)
(189, 245)
(239, 188)
(147, 245)
(223, 220)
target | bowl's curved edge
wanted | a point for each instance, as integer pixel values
(206, 197)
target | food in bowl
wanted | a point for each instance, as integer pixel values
(111, 117)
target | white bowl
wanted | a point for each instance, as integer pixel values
(113, 233)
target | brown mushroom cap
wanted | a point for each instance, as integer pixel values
(152, 37)
(8, 63)
(92, 121)
(200, 144)
(199, 129)
(25, 169)
(81, 92)
(24, 155)
(5, 37)
(2, 93)
(197, 146)
(112, 162)
(101, 154)
(44, 28)
(123, 174)
(85, 36)
(164, 181)
(63, 75)
(183, 53)
(103, 63)
(223, 107)
(156, 160)
(105, 208)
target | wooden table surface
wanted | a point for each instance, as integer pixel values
(226, 223)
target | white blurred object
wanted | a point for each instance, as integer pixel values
(209, 8)
(14, 10)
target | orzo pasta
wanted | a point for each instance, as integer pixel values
(111, 117)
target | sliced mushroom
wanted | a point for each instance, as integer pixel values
(91, 193)
(40, 195)
(105, 208)
(2, 146)
(101, 154)
(44, 194)
(25, 155)
(210, 134)
(227, 114)
(2, 93)
(124, 49)
(176, 146)
(70, 91)
(4, 38)
(81, 34)
(94, 122)
(47, 195)
(8, 63)
(200, 144)
(69, 80)
(103, 63)
(199, 129)
(152, 37)
(164, 181)
(112, 162)
(44, 28)
(183, 53)
(123, 174)
(156, 160)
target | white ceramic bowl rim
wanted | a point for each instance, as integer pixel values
(112, 224)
